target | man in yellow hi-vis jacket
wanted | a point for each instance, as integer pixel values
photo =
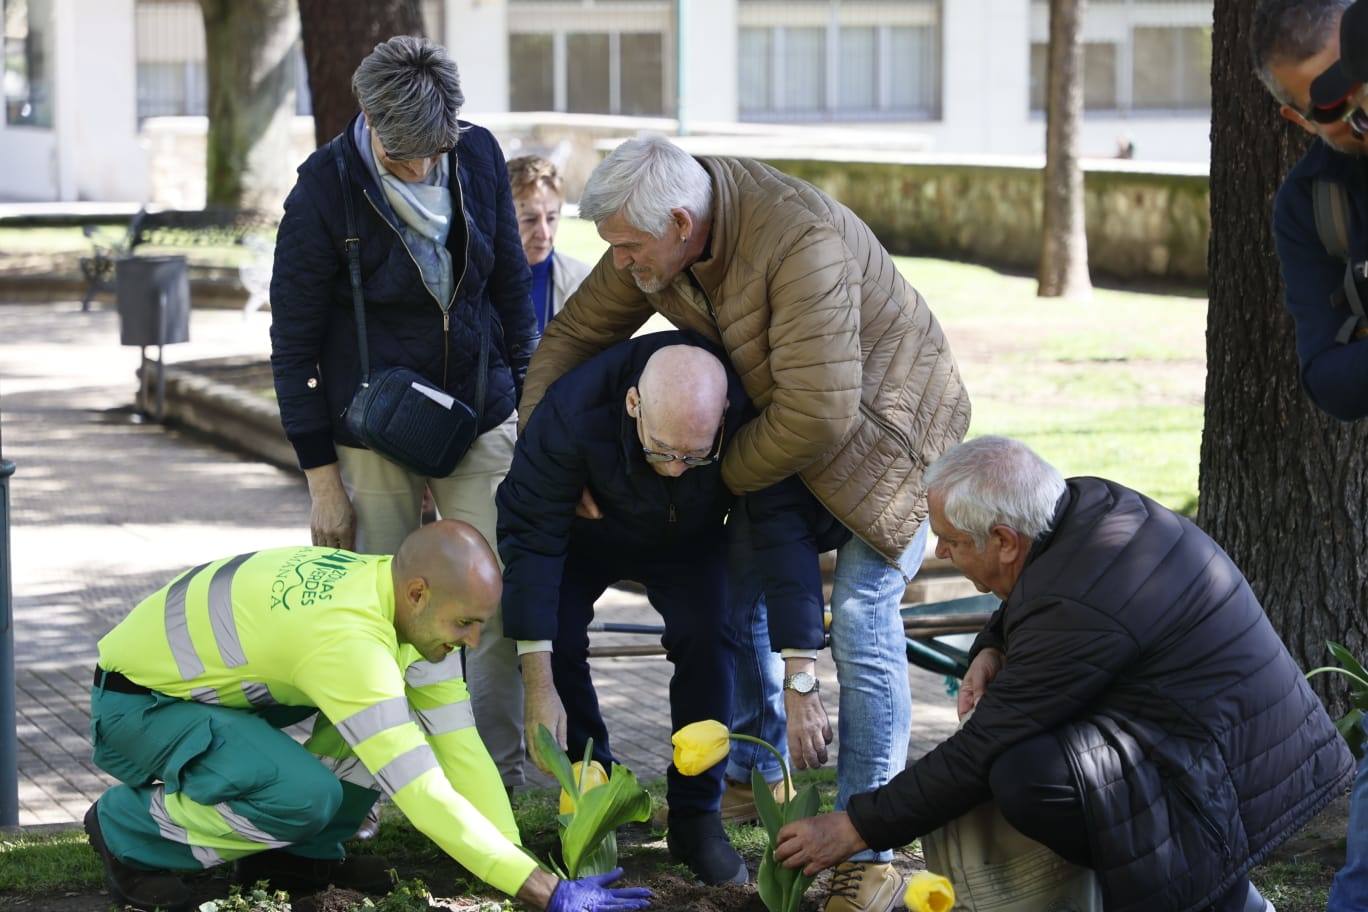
(194, 685)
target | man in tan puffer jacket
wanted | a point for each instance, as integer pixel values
(856, 391)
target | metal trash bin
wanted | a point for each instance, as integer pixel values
(153, 295)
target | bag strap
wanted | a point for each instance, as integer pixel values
(353, 245)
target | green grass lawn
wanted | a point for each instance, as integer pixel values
(1110, 387)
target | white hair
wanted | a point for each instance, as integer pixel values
(995, 481)
(645, 178)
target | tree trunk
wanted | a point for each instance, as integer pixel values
(251, 100)
(1282, 485)
(338, 34)
(1064, 240)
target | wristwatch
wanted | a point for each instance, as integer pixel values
(802, 683)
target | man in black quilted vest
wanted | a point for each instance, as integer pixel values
(1134, 709)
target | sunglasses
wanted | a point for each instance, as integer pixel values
(1347, 110)
(691, 461)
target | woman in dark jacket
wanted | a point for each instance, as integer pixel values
(1135, 710)
(440, 262)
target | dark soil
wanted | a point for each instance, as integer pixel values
(645, 860)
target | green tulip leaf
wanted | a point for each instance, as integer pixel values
(804, 805)
(552, 755)
(775, 880)
(1351, 729)
(1350, 663)
(796, 891)
(600, 812)
(771, 893)
(770, 814)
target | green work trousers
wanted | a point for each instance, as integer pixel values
(205, 784)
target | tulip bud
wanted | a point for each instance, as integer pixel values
(699, 746)
(592, 780)
(927, 892)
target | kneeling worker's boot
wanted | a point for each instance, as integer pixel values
(700, 843)
(130, 886)
(365, 873)
(864, 887)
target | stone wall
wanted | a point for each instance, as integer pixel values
(1145, 221)
(1145, 224)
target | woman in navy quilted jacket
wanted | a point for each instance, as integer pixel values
(440, 254)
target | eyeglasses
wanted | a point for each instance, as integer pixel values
(407, 158)
(1347, 110)
(691, 461)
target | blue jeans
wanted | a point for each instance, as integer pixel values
(870, 652)
(1349, 892)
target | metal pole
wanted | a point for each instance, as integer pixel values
(681, 46)
(9, 749)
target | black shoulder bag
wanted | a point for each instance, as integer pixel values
(396, 412)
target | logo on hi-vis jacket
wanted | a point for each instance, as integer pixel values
(308, 578)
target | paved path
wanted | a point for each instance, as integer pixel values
(106, 509)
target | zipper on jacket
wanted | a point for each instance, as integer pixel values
(455, 174)
(1203, 820)
(465, 263)
(712, 314)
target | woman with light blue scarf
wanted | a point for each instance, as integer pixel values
(441, 266)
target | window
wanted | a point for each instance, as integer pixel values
(833, 60)
(588, 89)
(802, 67)
(28, 62)
(588, 72)
(1172, 68)
(755, 47)
(915, 68)
(1099, 76)
(1137, 56)
(643, 67)
(531, 73)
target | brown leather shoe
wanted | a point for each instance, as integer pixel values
(130, 886)
(864, 887)
(738, 804)
(738, 801)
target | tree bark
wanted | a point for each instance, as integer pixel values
(1064, 240)
(338, 34)
(1282, 485)
(251, 100)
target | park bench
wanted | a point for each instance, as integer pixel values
(923, 625)
(182, 228)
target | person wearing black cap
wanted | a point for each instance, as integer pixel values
(1313, 56)
(1296, 46)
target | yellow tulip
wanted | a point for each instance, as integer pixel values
(699, 746)
(592, 780)
(927, 892)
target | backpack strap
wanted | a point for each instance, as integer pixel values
(1330, 204)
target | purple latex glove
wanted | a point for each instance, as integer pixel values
(591, 894)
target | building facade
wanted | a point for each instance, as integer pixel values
(93, 87)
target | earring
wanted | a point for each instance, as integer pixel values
(683, 239)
